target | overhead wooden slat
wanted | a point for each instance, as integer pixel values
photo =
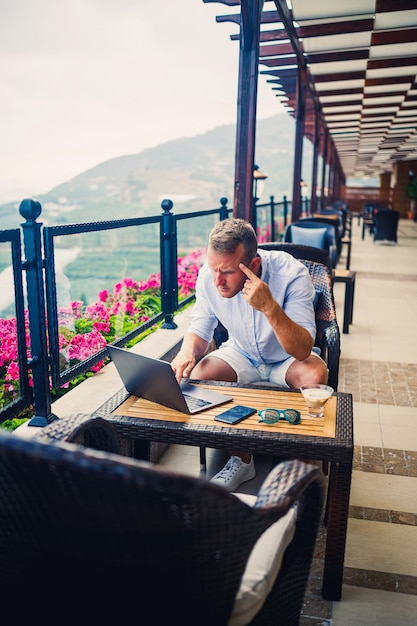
(406, 35)
(327, 57)
(335, 28)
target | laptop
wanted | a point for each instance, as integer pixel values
(155, 380)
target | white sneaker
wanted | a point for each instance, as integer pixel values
(234, 473)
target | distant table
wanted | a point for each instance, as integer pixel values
(327, 439)
(367, 222)
(347, 241)
(348, 277)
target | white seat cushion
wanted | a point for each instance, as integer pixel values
(262, 567)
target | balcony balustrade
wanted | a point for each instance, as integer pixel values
(37, 324)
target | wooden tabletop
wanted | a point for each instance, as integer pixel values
(136, 407)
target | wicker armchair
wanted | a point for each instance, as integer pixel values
(328, 333)
(101, 537)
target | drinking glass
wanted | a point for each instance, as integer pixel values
(316, 396)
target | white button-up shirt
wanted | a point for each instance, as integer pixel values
(249, 330)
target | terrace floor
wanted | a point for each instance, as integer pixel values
(379, 367)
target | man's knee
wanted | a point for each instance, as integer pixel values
(323, 372)
(310, 371)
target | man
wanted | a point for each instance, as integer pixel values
(265, 301)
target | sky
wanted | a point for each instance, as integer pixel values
(84, 81)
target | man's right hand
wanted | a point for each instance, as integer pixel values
(183, 365)
(192, 349)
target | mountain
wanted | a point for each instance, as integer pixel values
(193, 172)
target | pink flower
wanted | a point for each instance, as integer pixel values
(103, 295)
(130, 283)
(77, 308)
(12, 371)
(97, 311)
(102, 327)
(153, 282)
(83, 346)
(130, 307)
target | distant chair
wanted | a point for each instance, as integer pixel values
(316, 233)
(371, 207)
(385, 225)
(333, 214)
(368, 215)
(342, 206)
(344, 227)
(334, 218)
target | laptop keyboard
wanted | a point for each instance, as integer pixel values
(195, 403)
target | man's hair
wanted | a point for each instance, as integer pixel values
(227, 234)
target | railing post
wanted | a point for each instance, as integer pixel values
(224, 211)
(255, 214)
(285, 211)
(33, 265)
(272, 217)
(169, 265)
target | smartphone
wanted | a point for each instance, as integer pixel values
(235, 415)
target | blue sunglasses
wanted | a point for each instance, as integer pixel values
(272, 416)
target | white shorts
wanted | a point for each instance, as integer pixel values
(249, 373)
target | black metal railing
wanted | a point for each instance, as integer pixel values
(38, 318)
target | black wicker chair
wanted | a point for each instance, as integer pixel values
(91, 535)
(385, 226)
(319, 265)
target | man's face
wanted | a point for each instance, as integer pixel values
(227, 276)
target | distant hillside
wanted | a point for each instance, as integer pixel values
(194, 172)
